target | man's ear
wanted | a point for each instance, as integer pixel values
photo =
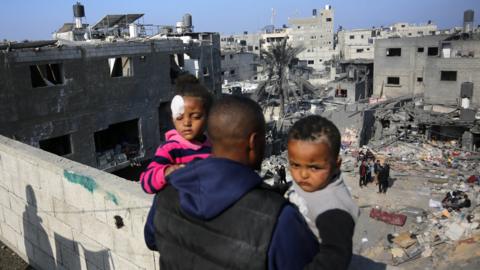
(252, 141)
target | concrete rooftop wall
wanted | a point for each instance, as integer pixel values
(59, 214)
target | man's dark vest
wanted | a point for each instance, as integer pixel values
(238, 238)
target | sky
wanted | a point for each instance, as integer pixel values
(38, 19)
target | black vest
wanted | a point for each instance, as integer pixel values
(238, 238)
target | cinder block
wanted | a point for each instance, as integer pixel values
(91, 250)
(95, 229)
(12, 219)
(78, 196)
(9, 234)
(4, 198)
(132, 248)
(44, 200)
(7, 180)
(99, 206)
(68, 214)
(53, 182)
(44, 260)
(121, 263)
(17, 205)
(30, 232)
(61, 229)
(28, 173)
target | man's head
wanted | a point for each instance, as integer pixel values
(313, 152)
(236, 127)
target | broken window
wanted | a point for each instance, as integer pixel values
(231, 56)
(243, 43)
(448, 75)
(393, 80)
(232, 72)
(223, 57)
(328, 19)
(359, 50)
(256, 48)
(432, 51)
(361, 36)
(420, 49)
(341, 93)
(46, 75)
(420, 32)
(419, 79)
(310, 62)
(205, 71)
(59, 145)
(394, 52)
(117, 144)
(249, 48)
(120, 67)
(352, 37)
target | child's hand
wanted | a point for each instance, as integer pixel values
(173, 168)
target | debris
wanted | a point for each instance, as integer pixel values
(434, 204)
(397, 252)
(390, 218)
(404, 240)
(455, 231)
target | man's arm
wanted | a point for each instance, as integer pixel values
(336, 228)
(293, 244)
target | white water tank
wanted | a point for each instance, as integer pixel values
(179, 27)
(328, 7)
(133, 30)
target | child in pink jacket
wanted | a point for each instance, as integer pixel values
(187, 141)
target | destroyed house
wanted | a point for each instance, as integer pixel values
(103, 104)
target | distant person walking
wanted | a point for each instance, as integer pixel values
(383, 176)
(376, 170)
(363, 174)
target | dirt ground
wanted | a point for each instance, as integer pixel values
(9, 260)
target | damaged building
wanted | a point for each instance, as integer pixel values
(440, 76)
(98, 99)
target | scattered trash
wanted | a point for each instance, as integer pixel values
(390, 218)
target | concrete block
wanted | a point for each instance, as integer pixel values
(121, 263)
(99, 206)
(91, 250)
(7, 180)
(132, 248)
(28, 173)
(46, 243)
(44, 260)
(17, 204)
(68, 214)
(9, 163)
(61, 231)
(44, 200)
(53, 182)
(9, 234)
(30, 233)
(4, 198)
(78, 196)
(95, 229)
(13, 219)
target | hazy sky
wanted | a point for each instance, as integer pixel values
(37, 19)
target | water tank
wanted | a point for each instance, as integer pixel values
(314, 12)
(179, 27)
(468, 20)
(328, 7)
(133, 30)
(187, 21)
(78, 10)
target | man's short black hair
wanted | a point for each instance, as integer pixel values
(188, 85)
(315, 128)
(235, 117)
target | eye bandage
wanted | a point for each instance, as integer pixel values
(177, 106)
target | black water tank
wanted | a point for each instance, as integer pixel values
(466, 90)
(314, 12)
(78, 10)
(468, 15)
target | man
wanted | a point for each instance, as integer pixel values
(216, 215)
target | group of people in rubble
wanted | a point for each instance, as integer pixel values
(211, 209)
(370, 171)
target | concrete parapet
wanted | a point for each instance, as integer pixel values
(59, 214)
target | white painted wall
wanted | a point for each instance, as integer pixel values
(59, 214)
